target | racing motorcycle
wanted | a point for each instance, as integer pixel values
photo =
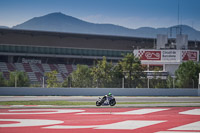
(105, 101)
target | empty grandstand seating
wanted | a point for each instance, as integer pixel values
(36, 71)
(32, 76)
(39, 76)
(74, 67)
(40, 66)
(10, 67)
(34, 68)
(46, 68)
(3, 67)
(69, 68)
(53, 67)
(19, 67)
(62, 68)
(27, 67)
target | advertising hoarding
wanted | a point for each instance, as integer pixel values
(150, 55)
(190, 55)
(167, 55)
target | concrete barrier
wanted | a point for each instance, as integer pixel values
(24, 91)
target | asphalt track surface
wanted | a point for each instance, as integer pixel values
(141, 101)
(101, 120)
(94, 98)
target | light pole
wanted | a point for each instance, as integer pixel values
(43, 82)
(15, 79)
(199, 86)
(123, 82)
(173, 81)
(193, 83)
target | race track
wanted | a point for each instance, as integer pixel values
(101, 120)
(94, 98)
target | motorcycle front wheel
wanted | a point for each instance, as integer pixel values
(112, 102)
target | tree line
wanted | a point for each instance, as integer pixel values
(127, 73)
(16, 78)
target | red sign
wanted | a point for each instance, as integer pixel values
(189, 55)
(150, 55)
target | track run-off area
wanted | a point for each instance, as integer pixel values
(100, 120)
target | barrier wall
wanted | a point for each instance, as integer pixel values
(11, 91)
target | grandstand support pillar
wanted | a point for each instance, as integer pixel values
(10, 59)
(164, 67)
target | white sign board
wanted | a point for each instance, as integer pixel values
(170, 55)
(30, 61)
(167, 55)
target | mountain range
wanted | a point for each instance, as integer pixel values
(59, 22)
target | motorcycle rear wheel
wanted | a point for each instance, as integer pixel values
(98, 103)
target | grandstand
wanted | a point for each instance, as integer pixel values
(37, 52)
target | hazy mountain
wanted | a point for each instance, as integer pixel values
(4, 27)
(62, 23)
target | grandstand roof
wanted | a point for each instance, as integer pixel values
(72, 40)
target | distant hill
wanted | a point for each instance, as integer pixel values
(62, 23)
(4, 27)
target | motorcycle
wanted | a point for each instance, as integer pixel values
(105, 101)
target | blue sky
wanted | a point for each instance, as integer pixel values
(127, 13)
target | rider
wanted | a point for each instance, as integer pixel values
(109, 95)
(107, 98)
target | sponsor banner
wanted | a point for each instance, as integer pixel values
(167, 55)
(150, 55)
(190, 55)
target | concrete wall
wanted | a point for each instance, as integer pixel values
(161, 41)
(11, 91)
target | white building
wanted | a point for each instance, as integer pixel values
(167, 60)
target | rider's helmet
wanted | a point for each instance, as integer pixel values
(109, 94)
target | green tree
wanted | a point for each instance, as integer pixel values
(170, 82)
(18, 78)
(117, 77)
(132, 69)
(187, 74)
(2, 80)
(81, 77)
(156, 81)
(67, 82)
(52, 80)
(102, 73)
